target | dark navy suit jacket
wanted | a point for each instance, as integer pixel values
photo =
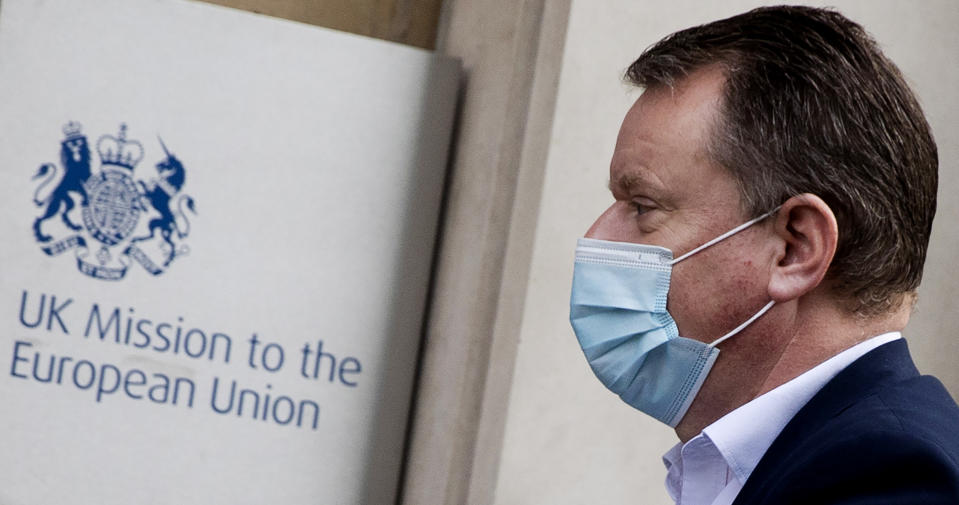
(877, 433)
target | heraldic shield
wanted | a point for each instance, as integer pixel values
(111, 237)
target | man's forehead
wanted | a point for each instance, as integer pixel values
(666, 128)
(677, 113)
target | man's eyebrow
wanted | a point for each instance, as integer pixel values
(628, 181)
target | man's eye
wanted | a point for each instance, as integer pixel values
(640, 208)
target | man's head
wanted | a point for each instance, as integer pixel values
(788, 108)
(810, 105)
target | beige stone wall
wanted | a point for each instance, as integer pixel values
(510, 52)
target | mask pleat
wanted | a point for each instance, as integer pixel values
(611, 328)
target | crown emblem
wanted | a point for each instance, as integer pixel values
(111, 238)
(120, 151)
(72, 130)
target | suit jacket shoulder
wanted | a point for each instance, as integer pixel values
(878, 433)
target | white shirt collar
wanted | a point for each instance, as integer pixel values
(742, 436)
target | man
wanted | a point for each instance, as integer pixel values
(774, 192)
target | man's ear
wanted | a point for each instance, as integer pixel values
(808, 232)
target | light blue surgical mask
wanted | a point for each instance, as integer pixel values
(618, 312)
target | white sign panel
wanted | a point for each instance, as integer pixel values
(215, 246)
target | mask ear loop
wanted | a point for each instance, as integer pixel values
(724, 236)
(745, 324)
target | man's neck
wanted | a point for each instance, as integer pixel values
(828, 338)
(791, 344)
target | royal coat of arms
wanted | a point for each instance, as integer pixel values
(111, 204)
